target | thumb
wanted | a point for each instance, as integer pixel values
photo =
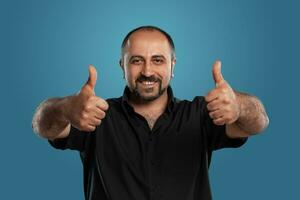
(91, 82)
(217, 74)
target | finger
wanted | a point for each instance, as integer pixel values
(92, 77)
(99, 114)
(102, 104)
(216, 114)
(94, 121)
(213, 105)
(212, 95)
(219, 121)
(217, 74)
(88, 128)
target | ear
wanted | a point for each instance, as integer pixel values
(121, 63)
(173, 66)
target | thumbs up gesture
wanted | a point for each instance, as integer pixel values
(85, 110)
(223, 106)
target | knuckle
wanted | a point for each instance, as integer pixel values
(100, 115)
(92, 128)
(211, 115)
(83, 116)
(226, 100)
(102, 103)
(209, 106)
(215, 122)
(103, 114)
(220, 123)
(87, 107)
(105, 105)
(223, 90)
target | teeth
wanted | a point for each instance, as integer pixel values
(148, 82)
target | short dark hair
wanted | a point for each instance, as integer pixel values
(149, 28)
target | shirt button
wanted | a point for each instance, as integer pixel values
(150, 139)
(152, 162)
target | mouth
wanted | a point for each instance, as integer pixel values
(147, 83)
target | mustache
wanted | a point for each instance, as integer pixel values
(142, 78)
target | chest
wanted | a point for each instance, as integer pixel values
(170, 154)
(151, 117)
(166, 141)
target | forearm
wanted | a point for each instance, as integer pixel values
(253, 118)
(49, 120)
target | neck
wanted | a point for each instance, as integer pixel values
(150, 110)
(157, 105)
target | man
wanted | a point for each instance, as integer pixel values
(147, 144)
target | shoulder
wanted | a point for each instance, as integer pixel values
(114, 101)
(114, 104)
(194, 108)
(117, 107)
(197, 102)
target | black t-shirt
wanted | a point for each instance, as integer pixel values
(124, 159)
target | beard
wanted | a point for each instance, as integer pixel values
(148, 94)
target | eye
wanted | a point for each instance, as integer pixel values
(136, 61)
(158, 61)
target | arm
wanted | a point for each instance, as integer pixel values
(243, 114)
(49, 120)
(54, 117)
(252, 117)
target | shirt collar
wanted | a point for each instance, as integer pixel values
(171, 98)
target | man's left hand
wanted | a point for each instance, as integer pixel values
(223, 105)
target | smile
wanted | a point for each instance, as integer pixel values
(147, 82)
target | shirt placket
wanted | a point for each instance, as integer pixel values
(152, 163)
(153, 159)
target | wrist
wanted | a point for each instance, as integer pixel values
(240, 105)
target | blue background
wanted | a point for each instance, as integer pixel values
(46, 47)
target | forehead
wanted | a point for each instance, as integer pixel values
(147, 42)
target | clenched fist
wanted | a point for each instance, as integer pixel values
(85, 110)
(222, 102)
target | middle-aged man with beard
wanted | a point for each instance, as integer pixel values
(147, 144)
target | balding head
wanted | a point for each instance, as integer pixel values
(126, 40)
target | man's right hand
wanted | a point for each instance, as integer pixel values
(85, 110)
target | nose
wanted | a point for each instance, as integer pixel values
(147, 70)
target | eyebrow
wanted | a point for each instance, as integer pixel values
(142, 58)
(158, 56)
(154, 56)
(136, 56)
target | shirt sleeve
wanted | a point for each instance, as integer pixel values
(216, 135)
(76, 140)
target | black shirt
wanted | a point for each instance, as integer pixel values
(124, 159)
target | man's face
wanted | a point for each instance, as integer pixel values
(147, 64)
